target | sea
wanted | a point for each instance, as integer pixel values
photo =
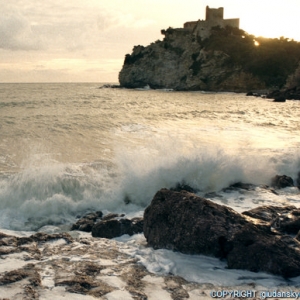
(67, 149)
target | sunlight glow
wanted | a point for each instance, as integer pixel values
(272, 21)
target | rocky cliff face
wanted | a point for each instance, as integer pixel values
(181, 62)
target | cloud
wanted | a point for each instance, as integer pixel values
(58, 26)
(16, 32)
(56, 40)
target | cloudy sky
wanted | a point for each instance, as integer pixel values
(86, 40)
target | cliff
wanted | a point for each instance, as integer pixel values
(229, 60)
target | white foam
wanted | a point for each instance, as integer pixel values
(118, 295)
(47, 277)
(10, 292)
(157, 139)
(154, 288)
(113, 281)
(13, 261)
(59, 292)
(194, 268)
(50, 196)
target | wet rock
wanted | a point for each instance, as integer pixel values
(27, 271)
(279, 99)
(83, 266)
(133, 277)
(282, 181)
(43, 237)
(112, 228)
(13, 276)
(185, 222)
(268, 213)
(87, 222)
(85, 285)
(285, 219)
(256, 250)
(289, 94)
(239, 185)
(174, 285)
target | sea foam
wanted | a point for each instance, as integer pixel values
(53, 193)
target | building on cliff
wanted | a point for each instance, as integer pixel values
(214, 17)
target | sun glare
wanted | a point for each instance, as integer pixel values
(267, 25)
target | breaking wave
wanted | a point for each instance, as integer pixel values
(54, 193)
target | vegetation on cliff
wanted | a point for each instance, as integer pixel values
(271, 60)
(230, 59)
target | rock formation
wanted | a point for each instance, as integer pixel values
(180, 62)
(190, 224)
(114, 227)
(58, 266)
(108, 226)
(213, 55)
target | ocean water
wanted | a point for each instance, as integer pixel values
(67, 149)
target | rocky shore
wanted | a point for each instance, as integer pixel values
(256, 240)
(76, 267)
(264, 239)
(287, 94)
(59, 266)
(86, 263)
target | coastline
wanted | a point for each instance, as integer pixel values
(82, 267)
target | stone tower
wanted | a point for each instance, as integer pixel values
(214, 13)
(214, 17)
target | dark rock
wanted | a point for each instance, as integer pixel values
(87, 222)
(41, 237)
(289, 94)
(273, 94)
(250, 94)
(239, 185)
(282, 181)
(85, 285)
(255, 250)
(113, 228)
(13, 276)
(285, 219)
(27, 271)
(279, 99)
(185, 222)
(268, 213)
(83, 225)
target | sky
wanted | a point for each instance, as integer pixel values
(87, 40)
